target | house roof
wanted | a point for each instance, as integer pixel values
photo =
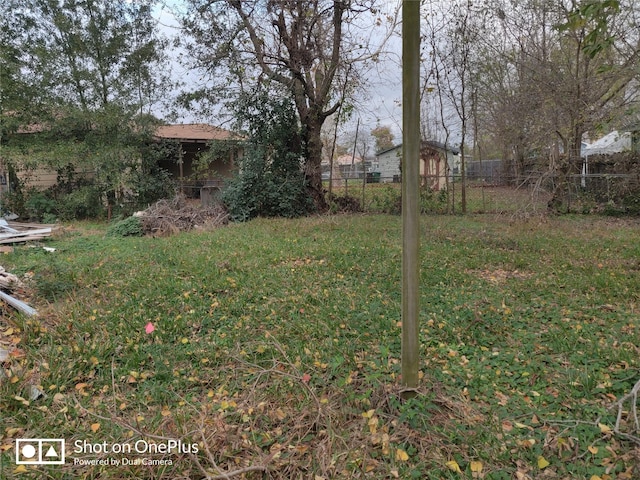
(388, 150)
(347, 160)
(431, 143)
(441, 146)
(194, 132)
(613, 142)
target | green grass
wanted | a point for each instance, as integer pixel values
(277, 345)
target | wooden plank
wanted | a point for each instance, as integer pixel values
(22, 239)
(18, 304)
(36, 231)
(5, 226)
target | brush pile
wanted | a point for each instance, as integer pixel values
(167, 217)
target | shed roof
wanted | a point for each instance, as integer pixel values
(194, 132)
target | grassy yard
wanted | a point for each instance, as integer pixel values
(273, 349)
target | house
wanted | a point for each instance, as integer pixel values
(389, 164)
(349, 166)
(437, 162)
(196, 142)
(613, 142)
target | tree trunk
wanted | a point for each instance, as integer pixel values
(313, 170)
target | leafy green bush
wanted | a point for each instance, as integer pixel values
(270, 181)
(82, 203)
(432, 201)
(386, 200)
(37, 205)
(129, 227)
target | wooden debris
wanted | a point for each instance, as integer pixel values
(8, 280)
(14, 232)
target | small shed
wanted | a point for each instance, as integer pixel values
(195, 140)
(436, 163)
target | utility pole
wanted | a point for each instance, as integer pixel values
(410, 194)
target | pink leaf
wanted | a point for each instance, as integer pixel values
(305, 378)
(149, 327)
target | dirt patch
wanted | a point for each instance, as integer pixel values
(499, 276)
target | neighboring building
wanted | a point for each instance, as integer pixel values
(389, 164)
(437, 163)
(602, 157)
(349, 166)
(196, 140)
(613, 142)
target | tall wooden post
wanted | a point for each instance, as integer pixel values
(410, 192)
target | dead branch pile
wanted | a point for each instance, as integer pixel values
(167, 217)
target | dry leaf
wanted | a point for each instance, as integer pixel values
(453, 465)
(542, 462)
(476, 467)
(401, 455)
(95, 427)
(604, 428)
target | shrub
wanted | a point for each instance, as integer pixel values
(344, 204)
(387, 200)
(129, 227)
(83, 203)
(270, 181)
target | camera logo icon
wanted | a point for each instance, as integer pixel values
(39, 451)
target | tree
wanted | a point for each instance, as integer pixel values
(311, 47)
(383, 137)
(454, 35)
(572, 73)
(88, 73)
(92, 54)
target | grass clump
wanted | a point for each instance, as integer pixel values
(275, 348)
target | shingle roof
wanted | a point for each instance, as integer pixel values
(194, 131)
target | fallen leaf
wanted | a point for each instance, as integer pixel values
(542, 462)
(604, 428)
(453, 465)
(476, 467)
(593, 449)
(305, 378)
(95, 427)
(401, 455)
(149, 328)
(20, 469)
